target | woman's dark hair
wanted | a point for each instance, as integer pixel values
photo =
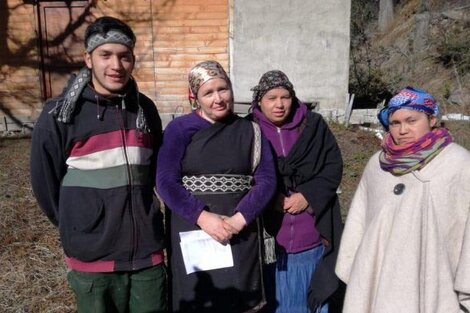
(104, 24)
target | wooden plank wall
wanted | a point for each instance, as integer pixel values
(172, 36)
(186, 32)
(138, 15)
(20, 91)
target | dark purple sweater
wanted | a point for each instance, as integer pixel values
(297, 232)
(176, 137)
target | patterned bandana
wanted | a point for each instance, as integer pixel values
(112, 36)
(412, 99)
(270, 80)
(400, 160)
(202, 73)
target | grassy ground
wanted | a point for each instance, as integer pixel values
(33, 274)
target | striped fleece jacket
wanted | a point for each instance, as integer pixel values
(94, 178)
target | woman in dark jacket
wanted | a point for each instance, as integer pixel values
(305, 216)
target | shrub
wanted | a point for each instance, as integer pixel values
(453, 48)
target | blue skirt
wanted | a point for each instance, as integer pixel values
(292, 279)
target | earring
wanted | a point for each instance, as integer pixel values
(195, 105)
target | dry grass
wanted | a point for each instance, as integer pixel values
(33, 273)
(357, 146)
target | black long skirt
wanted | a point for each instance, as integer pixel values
(223, 149)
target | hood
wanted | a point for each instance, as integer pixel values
(130, 95)
(78, 86)
(295, 118)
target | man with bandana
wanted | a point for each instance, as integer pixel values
(93, 158)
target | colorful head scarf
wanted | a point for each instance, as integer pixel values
(203, 72)
(270, 80)
(412, 99)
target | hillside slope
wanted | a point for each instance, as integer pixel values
(425, 44)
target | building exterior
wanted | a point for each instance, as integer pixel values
(41, 42)
(307, 40)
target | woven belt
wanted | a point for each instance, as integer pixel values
(217, 183)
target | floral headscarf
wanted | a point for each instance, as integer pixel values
(203, 72)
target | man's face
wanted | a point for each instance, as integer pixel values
(111, 65)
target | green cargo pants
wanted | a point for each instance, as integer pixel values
(142, 291)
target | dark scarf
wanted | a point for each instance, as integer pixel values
(271, 80)
(314, 168)
(65, 104)
(400, 160)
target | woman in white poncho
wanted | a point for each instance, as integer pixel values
(406, 243)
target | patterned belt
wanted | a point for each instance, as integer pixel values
(217, 183)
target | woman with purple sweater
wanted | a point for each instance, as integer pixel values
(305, 216)
(216, 173)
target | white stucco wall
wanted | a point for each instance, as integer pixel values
(306, 39)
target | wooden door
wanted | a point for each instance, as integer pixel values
(61, 27)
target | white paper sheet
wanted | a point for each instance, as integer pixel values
(202, 253)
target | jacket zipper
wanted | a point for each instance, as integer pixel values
(291, 217)
(281, 141)
(129, 180)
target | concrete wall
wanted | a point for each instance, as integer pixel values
(308, 40)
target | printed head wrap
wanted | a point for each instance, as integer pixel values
(412, 99)
(112, 36)
(270, 80)
(203, 72)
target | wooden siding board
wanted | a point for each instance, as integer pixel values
(170, 40)
(220, 57)
(191, 29)
(19, 82)
(193, 16)
(171, 77)
(195, 50)
(165, 84)
(191, 23)
(191, 36)
(180, 7)
(186, 33)
(182, 44)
